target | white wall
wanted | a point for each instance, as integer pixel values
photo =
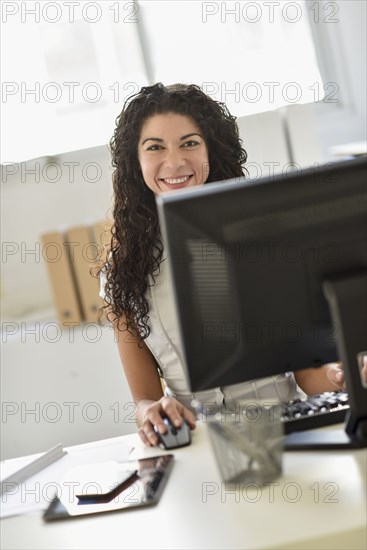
(61, 387)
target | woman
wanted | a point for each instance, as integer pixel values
(168, 138)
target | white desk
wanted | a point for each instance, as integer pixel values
(319, 502)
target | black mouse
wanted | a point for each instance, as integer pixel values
(174, 437)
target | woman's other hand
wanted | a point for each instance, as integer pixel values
(335, 373)
(329, 377)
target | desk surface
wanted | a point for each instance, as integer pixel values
(318, 502)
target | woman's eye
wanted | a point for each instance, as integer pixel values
(191, 143)
(153, 148)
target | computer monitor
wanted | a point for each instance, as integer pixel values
(270, 275)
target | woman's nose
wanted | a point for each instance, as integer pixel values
(174, 158)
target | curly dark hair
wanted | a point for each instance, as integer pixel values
(136, 248)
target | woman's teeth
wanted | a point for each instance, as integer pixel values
(172, 181)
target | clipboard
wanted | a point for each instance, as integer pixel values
(142, 488)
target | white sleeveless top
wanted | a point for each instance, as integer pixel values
(165, 345)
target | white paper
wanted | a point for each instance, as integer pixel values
(38, 491)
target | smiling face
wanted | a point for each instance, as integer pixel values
(172, 153)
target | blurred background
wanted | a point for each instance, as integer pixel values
(294, 73)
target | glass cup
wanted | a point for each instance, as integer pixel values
(247, 442)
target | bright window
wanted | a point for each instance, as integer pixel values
(68, 67)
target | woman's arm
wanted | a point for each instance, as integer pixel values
(146, 388)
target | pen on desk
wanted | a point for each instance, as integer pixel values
(37, 465)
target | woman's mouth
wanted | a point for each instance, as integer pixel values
(182, 181)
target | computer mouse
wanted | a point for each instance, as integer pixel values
(174, 437)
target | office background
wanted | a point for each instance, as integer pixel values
(68, 386)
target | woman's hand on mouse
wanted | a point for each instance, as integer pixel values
(152, 413)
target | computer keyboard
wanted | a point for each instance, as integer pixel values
(315, 411)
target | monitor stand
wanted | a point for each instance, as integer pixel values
(347, 297)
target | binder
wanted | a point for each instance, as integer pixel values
(65, 296)
(83, 257)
